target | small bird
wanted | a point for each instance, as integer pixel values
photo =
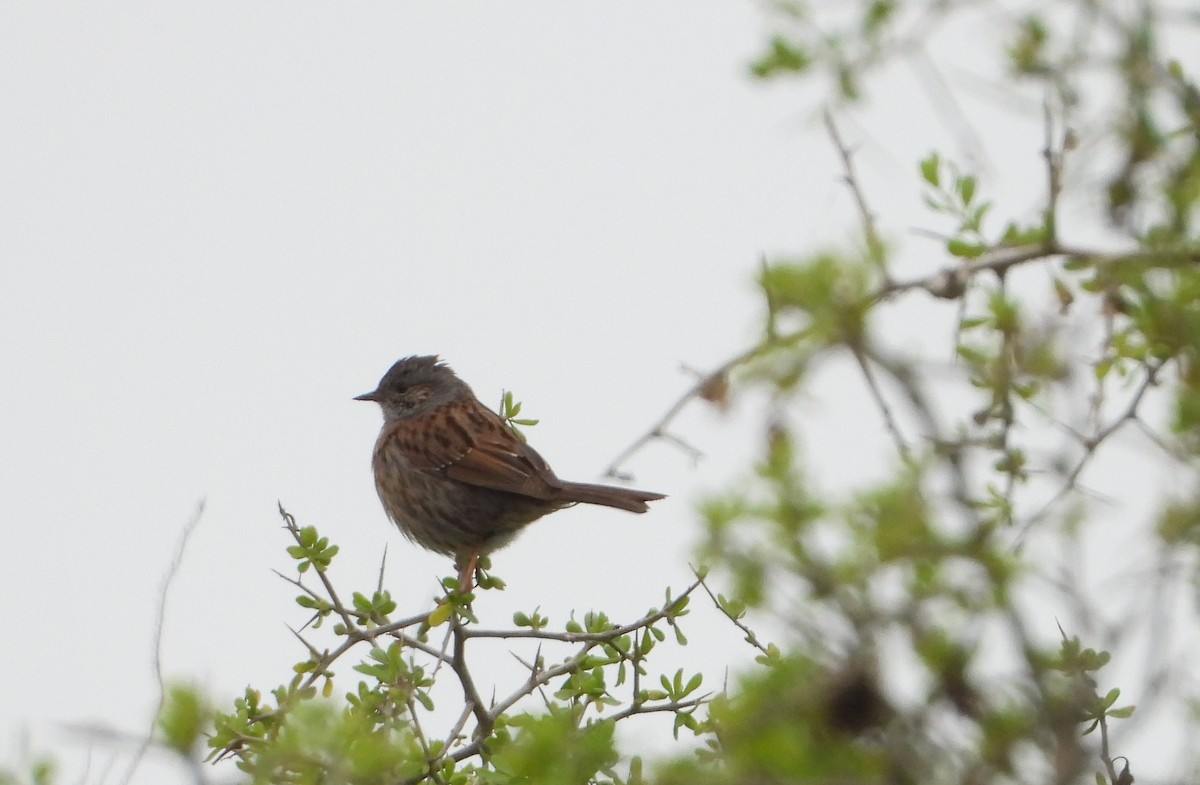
(455, 477)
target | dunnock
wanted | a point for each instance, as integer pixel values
(455, 477)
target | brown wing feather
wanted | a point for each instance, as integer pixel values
(470, 444)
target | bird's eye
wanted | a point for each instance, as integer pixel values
(415, 394)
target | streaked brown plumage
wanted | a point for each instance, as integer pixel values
(454, 477)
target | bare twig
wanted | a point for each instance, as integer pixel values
(875, 247)
(457, 729)
(470, 693)
(1090, 446)
(659, 429)
(885, 410)
(168, 579)
(1105, 755)
(1054, 153)
(951, 282)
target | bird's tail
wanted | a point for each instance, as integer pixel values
(608, 496)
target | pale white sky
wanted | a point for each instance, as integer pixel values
(221, 221)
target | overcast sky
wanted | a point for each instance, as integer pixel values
(221, 221)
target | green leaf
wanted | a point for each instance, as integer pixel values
(931, 167)
(781, 57)
(184, 718)
(965, 186)
(965, 249)
(733, 608)
(772, 656)
(441, 614)
(878, 14)
(971, 354)
(976, 216)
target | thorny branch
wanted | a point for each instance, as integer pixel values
(459, 744)
(750, 636)
(953, 282)
(658, 431)
(875, 246)
(484, 720)
(1091, 444)
(587, 637)
(338, 605)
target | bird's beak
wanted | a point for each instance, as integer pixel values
(371, 396)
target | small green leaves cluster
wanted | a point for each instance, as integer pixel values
(534, 620)
(829, 294)
(397, 680)
(625, 651)
(1027, 49)
(373, 611)
(1154, 190)
(794, 722)
(881, 578)
(954, 194)
(510, 410)
(251, 722)
(379, 726)
(556, 748)
(854, 45)
(319, 743)
(1007, 358)
(312, 550)
(1078, 694)
(184, 720)
(673, 689)
(918, 565)
(782, 56)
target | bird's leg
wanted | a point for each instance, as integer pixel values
(466, 575)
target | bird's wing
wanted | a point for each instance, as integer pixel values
(472, 445)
